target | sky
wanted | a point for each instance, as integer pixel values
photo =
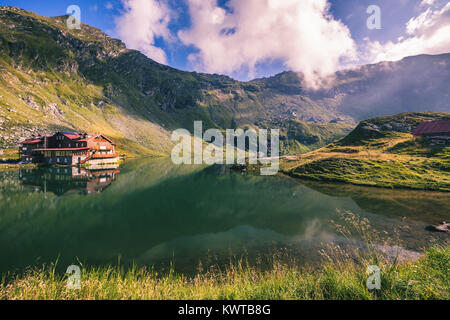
(248, 39)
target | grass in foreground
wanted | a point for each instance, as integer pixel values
(428, 278)
(343, 276)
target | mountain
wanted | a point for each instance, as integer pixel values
(414, 84)
(53, 78)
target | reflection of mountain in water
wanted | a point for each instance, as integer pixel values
(424, 206)
(64, 181)
(156, 211)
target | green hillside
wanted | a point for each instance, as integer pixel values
(380, 152)
(54, 78)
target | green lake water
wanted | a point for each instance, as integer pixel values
(153, 213)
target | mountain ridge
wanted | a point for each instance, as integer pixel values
(55, 78)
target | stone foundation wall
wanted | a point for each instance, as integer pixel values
(103, 161)
(65, 161)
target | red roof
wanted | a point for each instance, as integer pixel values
(31, 141)
(86, 139)
(95, 136)
(72, 136)
(62, 149)
(432, 127)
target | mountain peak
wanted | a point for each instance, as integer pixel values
(54, 77)
(12, 8)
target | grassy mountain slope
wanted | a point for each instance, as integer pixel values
(380, 152)
(55, 78)
(42, 87)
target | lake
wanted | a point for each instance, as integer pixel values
(153, 213)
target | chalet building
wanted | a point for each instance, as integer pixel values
(69, 148)
(27, 149)
(436, 132)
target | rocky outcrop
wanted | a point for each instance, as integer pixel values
(379, 127)
(442, 227)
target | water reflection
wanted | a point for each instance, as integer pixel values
(154, 212)
(69, 180)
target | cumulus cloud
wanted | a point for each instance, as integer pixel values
(427, 33)
(426, 3)
(301, 33)
(141, 23)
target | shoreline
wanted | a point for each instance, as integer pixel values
(426, 278)
(5, 166)
(322, 178)
(334, 181)
(246, 169)
(350, 184)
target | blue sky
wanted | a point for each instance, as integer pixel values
(180, 52)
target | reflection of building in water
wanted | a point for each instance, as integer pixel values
(69, 180)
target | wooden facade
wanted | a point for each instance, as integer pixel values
(68, 148)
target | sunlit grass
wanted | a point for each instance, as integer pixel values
(342, 276)
(426, 279)
(385, 162)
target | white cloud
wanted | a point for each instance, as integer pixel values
(141, 23)
(109, 6)
(301, 33)
(426, 3)
(428, 33)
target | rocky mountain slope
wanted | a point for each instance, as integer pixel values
(54, 78)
